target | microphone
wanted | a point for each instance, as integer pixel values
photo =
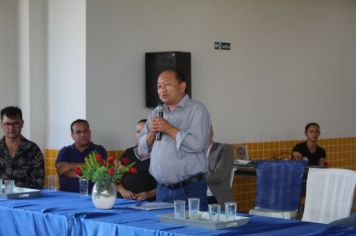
(160, 115)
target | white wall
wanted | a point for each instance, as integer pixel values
(9, 54)
(66, 68)
(291, 62)
(38, 72)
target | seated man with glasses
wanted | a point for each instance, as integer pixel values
(20, 159)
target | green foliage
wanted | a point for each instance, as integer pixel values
(102, 172)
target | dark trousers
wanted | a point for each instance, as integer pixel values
(196, 190)
(212, 200)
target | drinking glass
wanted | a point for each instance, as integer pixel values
(230, 210)
(51, 181)
(83, 187)
(179, 209)
(214, 212)
(9, 186)
(193, 208)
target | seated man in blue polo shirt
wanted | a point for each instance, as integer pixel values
(73, 156)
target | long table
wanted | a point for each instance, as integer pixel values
(63, 213)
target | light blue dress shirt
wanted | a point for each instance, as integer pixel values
(174, 160)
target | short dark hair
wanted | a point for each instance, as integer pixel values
(142, 121)
(178, 75)
(77, 121)
(11, 111)
(311, 124)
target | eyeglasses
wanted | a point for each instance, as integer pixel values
(12, 124)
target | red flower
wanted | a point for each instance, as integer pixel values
(111, 160)
(78, 170)
(102, 162)
(125, 161)
(133, 170)
(99, 157)
(111, 171)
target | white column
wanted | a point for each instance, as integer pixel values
(66, 68)
(9, 64)
(38, 71)
(32, 38)
(24, 63)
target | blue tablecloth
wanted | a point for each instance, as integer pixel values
(62, 213)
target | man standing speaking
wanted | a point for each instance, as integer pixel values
(178, 159)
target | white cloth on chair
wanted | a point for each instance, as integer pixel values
(329, 194)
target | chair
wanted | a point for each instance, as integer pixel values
(278, 188)
(329, 194)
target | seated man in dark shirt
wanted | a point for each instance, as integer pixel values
(20, 159)
(74, 156)
(309, 149)
(140, 185)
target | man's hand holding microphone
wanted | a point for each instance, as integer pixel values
(159, 126)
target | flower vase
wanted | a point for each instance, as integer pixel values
(103, 196)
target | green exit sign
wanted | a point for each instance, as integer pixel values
(222, 46)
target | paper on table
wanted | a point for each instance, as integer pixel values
(20, 193)
(148, 206)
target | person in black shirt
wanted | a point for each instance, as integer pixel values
(309, 149)
(140, 185)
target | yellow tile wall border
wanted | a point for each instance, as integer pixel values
(340, 153)
(50, 156)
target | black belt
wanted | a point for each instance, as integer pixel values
(190, 180)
